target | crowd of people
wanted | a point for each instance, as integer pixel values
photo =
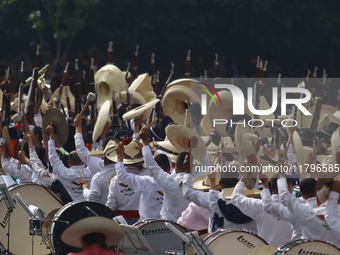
(144, 170)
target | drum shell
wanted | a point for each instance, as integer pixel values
(159, 236)
(238, 242)
(69, 214)
(307, 246)
(20, 240)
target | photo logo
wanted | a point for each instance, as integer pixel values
(211, 91)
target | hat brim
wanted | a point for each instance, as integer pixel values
(203, 183)
(140, 110)
(102, 119)
(113, 232)
(179, 137)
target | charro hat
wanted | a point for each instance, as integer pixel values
(110, 146)
(132, 154)
(335, 146)
(102, 119)
(227, 193)
(142, 85)
(186, 139)
(166, 147)
(203, 182)
(110, 229)
(108, 79)
(59, 123)
(141, 110)
(304, 153)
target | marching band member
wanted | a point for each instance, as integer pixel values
(267, 225)
(98, 190)
(151, 198)
(223, 213)
(174, 203)
(311, 219)
(332, 215)
(273, 206)
(74, 176)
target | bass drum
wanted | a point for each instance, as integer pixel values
(20, 241)
(69, 214)
(159, 236)
(234, 242)
(306, 246)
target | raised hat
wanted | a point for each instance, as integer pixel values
(110, 146)
(65, 89)
(102, 118)
(131, 156)
(108, 79)
(110, 229)
(186, 139)
(140, 110)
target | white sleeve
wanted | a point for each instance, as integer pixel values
(57, 165)
(93, 163)
(200, 198)
(137, 182)
(148, 158)
(213, 199)
(112, 201)
(38, 120)
(302, 212)
(163, 179)
(275, 208)
(94, 192)
(332, 216)
(249, 206)
(40, 170)
(24, 172)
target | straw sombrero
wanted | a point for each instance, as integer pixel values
(110, 146)
(131, 156)
(325, 109)
(142, 85)
(203, 182)
(109, 78)
(335, 145)
(303, 154)
(113, 232)
(102, 119)
(166, 147)
(185, 139)
(141, 110)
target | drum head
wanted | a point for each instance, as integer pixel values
(302, 246)
(159, 237)
(20, 239)
(69, 214)
(238, 242)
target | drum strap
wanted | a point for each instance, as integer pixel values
(232, 213)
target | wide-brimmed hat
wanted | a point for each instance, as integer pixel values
(102, 119)
(108, 79)
(97, 224)
(245, 142)
(265, 106)
(132, 155)
(176, 103)
(335, 145)
(303, 154)
(7, 138)
(142, 85)
(186, 139)
(110, 146)
(65, 90)
(332, 125)
(166, 147)
(141, 110)
(60, 125)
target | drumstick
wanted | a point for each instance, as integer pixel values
(128, 141)
(148, 127)
(21, 150)
(90, 97)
